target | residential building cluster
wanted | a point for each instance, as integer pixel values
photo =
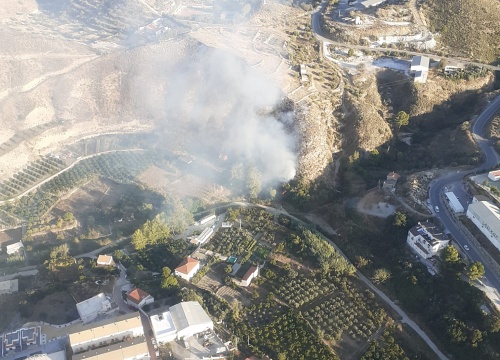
(19, 339)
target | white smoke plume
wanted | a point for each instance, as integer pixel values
(213, 104)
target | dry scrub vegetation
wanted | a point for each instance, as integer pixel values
(366, 128)
(468, 27)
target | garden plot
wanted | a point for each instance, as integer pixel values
(303, 290)
(232, 241)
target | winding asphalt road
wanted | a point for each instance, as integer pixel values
(318, 33)
(453, 181)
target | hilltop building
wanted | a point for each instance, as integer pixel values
(19, 340)
(420, 68)
(189, 319)
(251, 273)
(13, 247)
(391, 181)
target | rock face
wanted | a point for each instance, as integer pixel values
(366, 128)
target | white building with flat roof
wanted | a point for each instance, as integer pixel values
(494, 175)
(189, 319)
(207, 219)
(14, 248)
(426, 239)
(454, 203)
(91, 308)
(420, 68)
(101, 333)
(486, 216)
(371, 3)
(163, 326)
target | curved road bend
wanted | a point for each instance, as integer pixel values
(454, 181)
(318, 33)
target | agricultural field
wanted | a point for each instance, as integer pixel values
(305, 291)
(119, 166)
(31, 175)
(232, 241)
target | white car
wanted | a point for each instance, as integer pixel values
(436, 208)
(466, 247)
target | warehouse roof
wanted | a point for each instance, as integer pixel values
(188, 313)
(105, 328)
(488, 213)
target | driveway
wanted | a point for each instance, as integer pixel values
(121, 284)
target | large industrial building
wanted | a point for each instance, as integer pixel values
(426, 239)
(486, 217)
(180, 321)
(105, 332)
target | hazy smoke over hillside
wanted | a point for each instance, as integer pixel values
(213, 104)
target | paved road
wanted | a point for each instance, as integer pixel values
(453, 181)
(121, 283)
(318, 33)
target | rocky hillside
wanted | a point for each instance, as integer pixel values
(468, 27)
(366, 128)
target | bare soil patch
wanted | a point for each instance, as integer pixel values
(377, 203)
(56, 308)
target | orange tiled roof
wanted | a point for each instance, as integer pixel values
(187, 265)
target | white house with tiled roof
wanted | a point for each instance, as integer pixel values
(187, 268)
(138, 298)
(251, 273)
